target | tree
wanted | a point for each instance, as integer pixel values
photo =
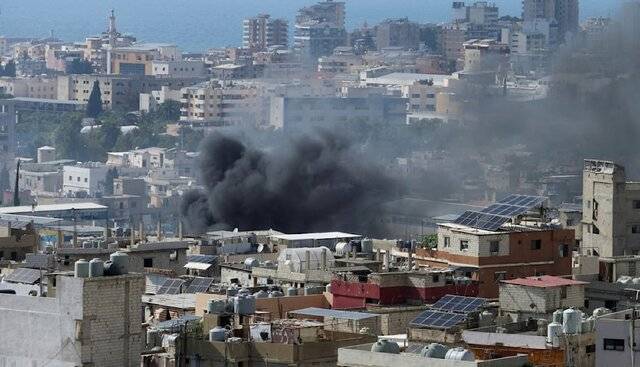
(79, 66)
(169, 111)
(94, 106)
(10, 69)
(68, 140)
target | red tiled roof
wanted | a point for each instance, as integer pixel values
(544, 281)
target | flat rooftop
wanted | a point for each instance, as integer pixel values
(544, 281)
(51, 208)
(315, 236)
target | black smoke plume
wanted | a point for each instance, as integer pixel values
(311, 182)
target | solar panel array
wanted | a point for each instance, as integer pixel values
(23, 275)
(199, 285)
(494, 216)
(37, 261)
(205, 259)
(438, 319)
(488, 222)
(459, 304)
(171, 286)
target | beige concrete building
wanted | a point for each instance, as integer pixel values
(138, 59)
(82, 321)
(610, 210)
(262, 32)
(36, 87)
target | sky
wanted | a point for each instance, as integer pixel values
(195, 25)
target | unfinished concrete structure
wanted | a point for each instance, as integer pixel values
(83, 322)
(610, 210)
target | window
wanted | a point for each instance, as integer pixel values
(70, 178)
(78, 179)
(595, 230)
(614, 344)
(536, 244)
(636, 204)
(494, 247)
(635, 229)
(435, 278)
(148, 262)
(464, 245)
(564, 250)
(499, 275)
(447, 241)
(595, 210)
(569, 222)
(591, 348)
(563, 292)
(86, 180)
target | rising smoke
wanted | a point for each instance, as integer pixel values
(309, 182)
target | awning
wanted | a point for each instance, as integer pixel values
(197, 266)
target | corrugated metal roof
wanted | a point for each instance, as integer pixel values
(315, 236)
(327, 312)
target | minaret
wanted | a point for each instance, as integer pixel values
(113, 33)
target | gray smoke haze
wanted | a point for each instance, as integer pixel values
(307, 182)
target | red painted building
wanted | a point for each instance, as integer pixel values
(397, 288)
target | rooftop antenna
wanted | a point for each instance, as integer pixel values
(16, 190)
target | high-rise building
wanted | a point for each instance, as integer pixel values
(7, 141)
(320, 28)
(262, 32)
(610, 210)
(565, 13)
(398, 33)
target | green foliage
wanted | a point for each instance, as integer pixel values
(79, 66)
(430, 241)
(94, 105)
(9, 69)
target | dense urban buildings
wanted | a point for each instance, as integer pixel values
(321, 192)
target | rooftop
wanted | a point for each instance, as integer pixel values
(315, 236)
(51, 207)
(544, 281)
(407, 79)
(326, 312)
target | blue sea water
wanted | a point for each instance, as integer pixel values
(196, 25)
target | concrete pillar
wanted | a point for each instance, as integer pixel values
(410, 259)
(60, 239)
(180, 229)
(324, 259)
(307, 259)
(386, 259)
(159, 230)
(75, 238)
(353, 253)
(378, 257)
(133, 234)
(141, 230)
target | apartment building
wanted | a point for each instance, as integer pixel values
(610, 210)
(225, 103)
(138, 59)
(178, 68)
(8, 119)
(262, 32)
(398, 33)
(565, 13)
(302, 112)
(87, 179)
(34, 87)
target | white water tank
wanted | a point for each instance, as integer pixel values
(486, 318)
(343, 248)
(434, 350)
(152, 338)
(244, 305)
(571, 321)
(385, 346)
(216, 307)
(120, 262)
(557, 316)
(554, 330)
(600, 311)
(81, 269)
(96, 268)
(276, 294)
(327, 288)
(460, 354)
(251, 262)
(366, 246)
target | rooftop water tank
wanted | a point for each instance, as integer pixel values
(343, 248)
(292, 291)
(542, 327)
(216, 307)
(244, 305)
(434, 350)
(251, 262)
(600, 311)
(557, 316)
(571, 320)
(261, 294)
(554, 330)
(587, 325)
(217, 334)
(486, 318)
(244, 291)
(120, 262)
(276, 294)
(327, 288)
(96, 268)
(385, 346)
(81, 269)
(269, 264)
(231, 292)
(625, 279)
(460, 354)
(635, 280)
(366, 246)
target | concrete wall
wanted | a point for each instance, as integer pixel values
(516, 298)
(93, 321)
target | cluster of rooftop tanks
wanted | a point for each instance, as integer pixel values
(118, 264)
